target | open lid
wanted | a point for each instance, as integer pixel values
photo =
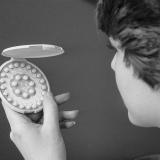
(33, 51)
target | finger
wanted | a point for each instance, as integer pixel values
(50, 112)
(67, 124)
(68, 115)
(62, 98)
(35, 117)
(63, 115)
(15, 119)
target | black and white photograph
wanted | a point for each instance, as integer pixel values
(80, 80)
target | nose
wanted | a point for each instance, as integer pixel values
(113, 62)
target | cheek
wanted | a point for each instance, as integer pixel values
(142, 103)
(123, 80)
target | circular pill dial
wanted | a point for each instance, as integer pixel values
(23, 85)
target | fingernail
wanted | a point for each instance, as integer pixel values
(67, 94)
(77, 111)
(73, 122)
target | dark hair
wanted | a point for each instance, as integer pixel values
(136, 24)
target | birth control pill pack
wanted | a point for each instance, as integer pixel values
(23, 84)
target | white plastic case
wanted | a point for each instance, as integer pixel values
(23, 84)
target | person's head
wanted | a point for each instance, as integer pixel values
(133, 28)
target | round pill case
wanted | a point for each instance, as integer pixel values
(22, 84)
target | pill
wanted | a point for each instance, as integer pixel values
(25, 95)
(3, 74)
(6, 69)
(5, 93)
(41, 98)
(43, 93)
(25, 77)
(44, 87)
(22, 65)
(39, 103)
(17, 91)
(28, 106)
(2, 80)
(21, 106)
(9, 99)
(34, 70)
(14, 83)
(38, 75)
(31, 83)
(16, 65)
(18, 77)
(14, 103)
(42, 81)
(11, 66)
(2, 86)
(34, 106)
(28, 67)
(31, 91)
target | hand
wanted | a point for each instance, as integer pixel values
(66, 118)
(38, 141)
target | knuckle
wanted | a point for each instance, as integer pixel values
(14, 136)
(11, 136)
(16, 133)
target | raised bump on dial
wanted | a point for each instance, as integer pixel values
(18, 77)
(21, 106)
(16, 64)
(44, 87)
(3, 74)
(43, 93)
(25, 95)
(9, 99)
(34, 70)
(28, 106)
(17, 91)
(2, 80)
(22, 65)
(38, 75)
(3, 86)
(25, 77)
(15, 104)
(39, 103)
(42, 98)
(6, 69)
(5, 93)
(42, 80)
(28, 67)
(31, 91)
(31, 83)
(11, 66)
(34, 106)
(14, 83)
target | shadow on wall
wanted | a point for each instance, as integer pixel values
(93, 2)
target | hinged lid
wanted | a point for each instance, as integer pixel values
(33, 51)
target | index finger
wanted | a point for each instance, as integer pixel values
(51, 119)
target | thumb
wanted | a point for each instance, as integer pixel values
(15, 119)
(50, 109)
